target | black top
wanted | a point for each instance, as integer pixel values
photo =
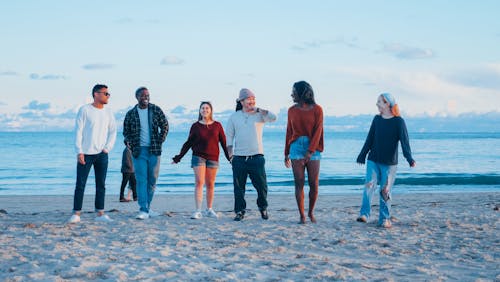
(382, 141)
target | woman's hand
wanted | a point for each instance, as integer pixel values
(288, 163)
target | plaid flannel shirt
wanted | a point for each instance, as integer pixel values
(158, 128)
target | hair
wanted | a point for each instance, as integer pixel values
(239, 106)
(394, 109)
(211, 110)
(139, 91)
(97, 87)
(304, 92)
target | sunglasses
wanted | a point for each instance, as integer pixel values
(105, 93)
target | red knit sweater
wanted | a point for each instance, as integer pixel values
(305, 122)
(204, 141)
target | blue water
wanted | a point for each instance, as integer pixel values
(44, 163)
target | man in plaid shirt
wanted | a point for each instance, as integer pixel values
(145, 129)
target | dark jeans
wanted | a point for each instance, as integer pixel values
(100, 163)
(243, 167)
(126, 178)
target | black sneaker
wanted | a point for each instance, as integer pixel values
(264, 215)
(239, 216)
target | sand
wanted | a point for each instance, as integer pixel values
(435, 237)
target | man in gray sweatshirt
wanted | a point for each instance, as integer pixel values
(244, 141)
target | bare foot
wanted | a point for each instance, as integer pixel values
(302, 220)
(313, 219)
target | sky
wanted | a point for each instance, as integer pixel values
(438, 58)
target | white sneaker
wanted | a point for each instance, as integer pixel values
(211, 213)
(142, 215)
(74, 218)
(196, 215)
(103, 218)
(152, 213)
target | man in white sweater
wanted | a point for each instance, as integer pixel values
(95, 129)
(244, 141)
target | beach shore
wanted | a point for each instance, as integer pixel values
(435, 237)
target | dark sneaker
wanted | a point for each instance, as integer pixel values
(123, 200)
(239, 216)
(264, 215)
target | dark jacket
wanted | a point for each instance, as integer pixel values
(158, 128)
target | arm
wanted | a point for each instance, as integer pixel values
(79, 122)
(163, 124)
(317, 130)
(267, 116)
(222, 141)
(368, 144)
(111, 134)
(230, 138)
(287, 141)
(187, 145)
(405, 143)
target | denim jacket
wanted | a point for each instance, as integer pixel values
(158, 128)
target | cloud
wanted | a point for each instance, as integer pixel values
(171, 60)
(487, 77)
(98, 66)
(8, 73)
(351, 43)
(3, 104)
(37, 106)
(406, 52)
(36, 76)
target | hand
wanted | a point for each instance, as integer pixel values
(81, 159)
(105, 151)
(288, 163)
(413, 164)
(307, 157)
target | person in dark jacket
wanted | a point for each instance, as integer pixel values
(128, 176)
(145, 129)
(387, 130)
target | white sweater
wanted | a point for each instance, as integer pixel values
(244, 132)
(95, 130)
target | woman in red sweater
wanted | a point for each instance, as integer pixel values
(304, 144)
(204, 138)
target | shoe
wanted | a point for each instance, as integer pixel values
(211, 213)
(103, 218)
(362, 219)
(74, 218)
(152, 213)
(142, 215)
(264, 214)
(196, 215)
(135, 199)
(239, 216)
(387, 224)
(123, 200)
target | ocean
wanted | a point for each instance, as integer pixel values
(44, 163)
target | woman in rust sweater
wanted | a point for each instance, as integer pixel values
(204, 138)
(304, 144)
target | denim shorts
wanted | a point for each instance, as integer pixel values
(299, 147)
(199, 161)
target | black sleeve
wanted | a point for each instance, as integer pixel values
(368, 143)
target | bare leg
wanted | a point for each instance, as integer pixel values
(210, 175)
(299, 179)
(313, 179)
(199, 175)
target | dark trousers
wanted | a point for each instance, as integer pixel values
(126, 178)
(100, 163)
(243, 167)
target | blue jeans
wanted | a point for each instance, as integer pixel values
(385, 176)
(147, 167)
(299, 147)
(243, 167)
(100, 163)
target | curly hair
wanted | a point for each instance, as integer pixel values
(304, 92)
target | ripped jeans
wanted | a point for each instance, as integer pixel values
(385, 176)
